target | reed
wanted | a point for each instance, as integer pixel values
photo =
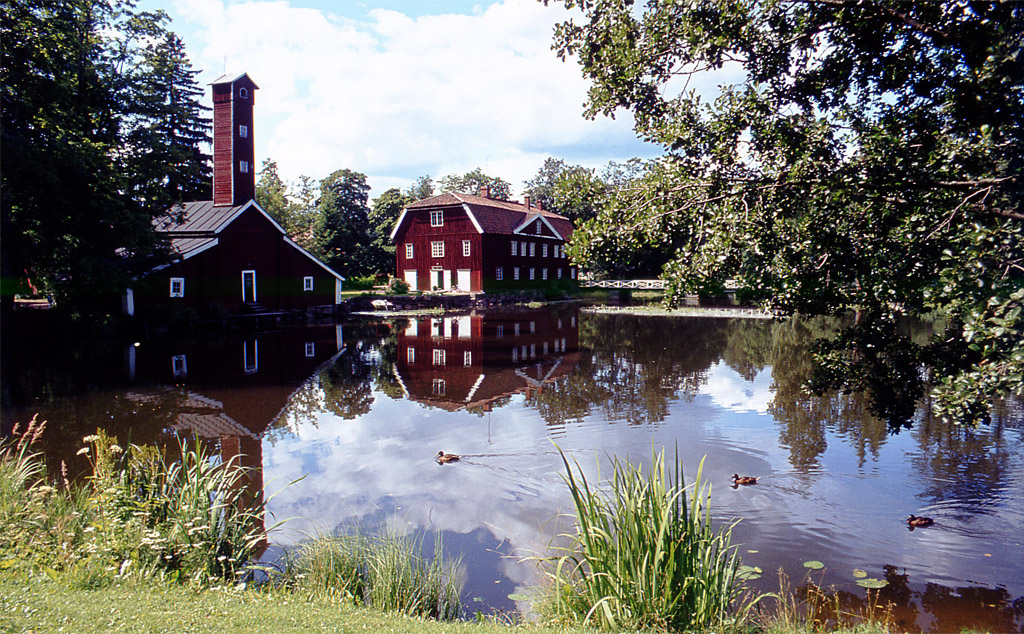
(644, 555)
(387, 572)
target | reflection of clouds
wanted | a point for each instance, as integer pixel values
(509, 485)
(729, 390)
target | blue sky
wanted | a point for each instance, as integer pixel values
(401, 89)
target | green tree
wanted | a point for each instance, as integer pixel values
(422, 188)
(869, 159)
(100, 132)
(304, 203)
(342, 229)
(471, 182)
(384, 214)
(578, 193)
(541, 188)
(272, 195)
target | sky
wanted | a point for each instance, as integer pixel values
(398, 89)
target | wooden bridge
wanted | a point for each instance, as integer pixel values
(730, 285)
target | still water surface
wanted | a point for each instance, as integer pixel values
(360, 409)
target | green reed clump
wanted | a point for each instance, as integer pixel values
(137, 514)
(387, 572)
(645, 555)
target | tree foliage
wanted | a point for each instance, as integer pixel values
(101, 131)
(869, 158)
(471, 182)
(342, 229)
(422, 188)
(384, 214)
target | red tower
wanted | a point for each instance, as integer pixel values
(234, 169)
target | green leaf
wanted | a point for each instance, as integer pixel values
(814, 564)
(515, 596)
(858, 573)
(872, 583)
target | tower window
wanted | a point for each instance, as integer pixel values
(243, 93)
(243, 131)
(243, 167)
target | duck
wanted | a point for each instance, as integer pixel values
(917, 522)
(738, 479)
(445, 458)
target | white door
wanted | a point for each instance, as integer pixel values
(410, 279)
(447, 280)
(463, 280)
(248, 286)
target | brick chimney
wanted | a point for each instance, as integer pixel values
(526, 201)
(485, 191)
(540, 206)
(234, 163)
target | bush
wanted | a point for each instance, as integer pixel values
(360, 283)
(398, 286)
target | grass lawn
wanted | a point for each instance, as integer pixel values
(41, 605)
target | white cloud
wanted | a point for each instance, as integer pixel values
(396, 97)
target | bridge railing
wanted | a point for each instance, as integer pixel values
(730, 285)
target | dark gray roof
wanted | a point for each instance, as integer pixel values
(230, 78)
(198, 218)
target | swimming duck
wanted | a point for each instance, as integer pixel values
(738, 479)
(445, 458)
(917, 522)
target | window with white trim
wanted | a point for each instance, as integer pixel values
(243, 131)
(179, 366)
(533, 327)
(537, 229)
(243, 167)
(515, 248)
(515, 272)
(177, 287)
(543, 274)
(515, 329)
(533, 351)
(501, 331)
(437, 218)
(467, 358)
(559, 273)
(438, 356)
(499, 273)
(437, 249)
(466, 247)
(544, 348)
(408, 250)
(572, 273)
(410, 354)
(310, 349)
(515, 354)
(439, 387)
(533, 249)
(543, 250)
(307, 283)
(533, 273)
(243, 93)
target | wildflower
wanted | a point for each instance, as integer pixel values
(92, 438)
(82, 451)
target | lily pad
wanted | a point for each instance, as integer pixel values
(872, 583)
(515, 596)
(814, 564)
(858, 573)
(752, 551)
(749, 572)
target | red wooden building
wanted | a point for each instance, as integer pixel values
(230, 255)
(476, 243)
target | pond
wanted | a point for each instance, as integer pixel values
(359, 410)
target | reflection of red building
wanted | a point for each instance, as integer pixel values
(472, 361)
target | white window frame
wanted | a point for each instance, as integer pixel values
(559, 272)
(466, 247)
(515, 248)
(533, 249)
(251, 368)
(438, 387)
(408, 250)
(515, 272)
(243, 131)
(501, 331)
(243, 93)
(439, 356)
(533, 273)
(243, 167)
(537, 230)
(310, 349)
(543, 250)
(307, 283)
(467, 358)
(572, 273)
(181, 289)
(437, 218)
(179, 366)
(437, 249)
(543, 274)
(410, 354)
(499, 274)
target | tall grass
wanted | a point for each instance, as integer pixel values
(387, 572)
(644, 555)
(136, 514)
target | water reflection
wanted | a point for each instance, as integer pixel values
(362, 415)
